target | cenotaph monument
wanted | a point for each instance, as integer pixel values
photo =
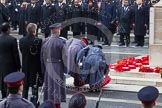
(155, 41)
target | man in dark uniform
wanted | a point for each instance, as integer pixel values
(47, 17)
(140, 22)
(61, 16)
(92, 14)
(148, 96)
(9, 56)
(76, 12)
(108, 16)
(33, 14)
(124, 16)
(53, 66)
(14, 13)
(4, 13)
(14, 82)
(84, 15)
(30, 47)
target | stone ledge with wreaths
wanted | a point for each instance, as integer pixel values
(129, 74)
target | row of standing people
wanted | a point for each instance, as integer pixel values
(107, 13)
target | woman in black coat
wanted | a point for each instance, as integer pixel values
(22, 25)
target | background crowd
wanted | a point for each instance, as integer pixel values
(118, 16)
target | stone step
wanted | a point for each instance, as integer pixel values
(136, 81)
(135, 74)
(112, 86)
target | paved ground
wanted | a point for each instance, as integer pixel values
(115, 99)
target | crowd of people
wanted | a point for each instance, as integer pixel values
(119, 16)
(45, 62)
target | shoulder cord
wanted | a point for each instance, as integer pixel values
(34, 44)
(5, 104)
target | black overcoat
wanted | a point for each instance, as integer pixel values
(30, 47)
(140, 20)
(9, 56)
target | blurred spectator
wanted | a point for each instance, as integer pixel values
(61, 16)
(14, 82)
(108, 16)
(76, 12)
(124, 16)
(148, 96)
(22, 25)
(78, 100)
(9, 56)
(4, 13)
(47, 12)
(140, 22)
(33, 13)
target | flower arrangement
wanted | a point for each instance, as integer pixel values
(127, 64)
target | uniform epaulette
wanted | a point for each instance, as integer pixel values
(26, 101)
(3, 100)
(63, 38)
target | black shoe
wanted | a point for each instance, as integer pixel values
(121, 44)
(137, 45)
(127, 45)
(106, 44)
(141, 45)
(134, 42)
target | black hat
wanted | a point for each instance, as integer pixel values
(148, 95)
(14, 79)
(54, 26)
(78, 100)
(47, 104)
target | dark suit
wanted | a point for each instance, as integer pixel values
(108, 15)
(22, 25)
(61, 16)
(76, 12)
(9, 58)
(47, 18)
(4, 14)
(84, 14)
(140, 20)
(30, 47)
(33, 14)
(124, 16)
(92, 14)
